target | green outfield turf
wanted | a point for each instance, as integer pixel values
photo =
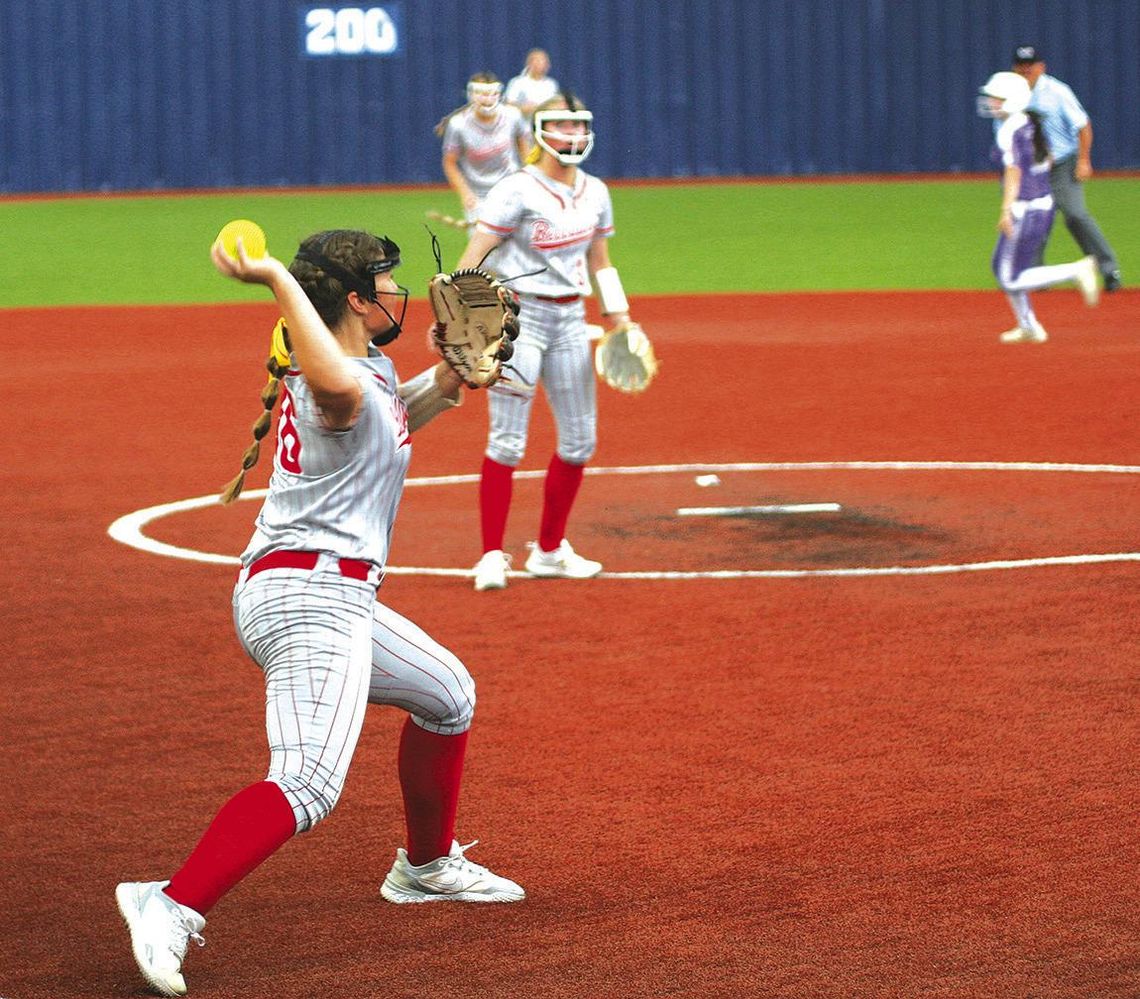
(793, 236)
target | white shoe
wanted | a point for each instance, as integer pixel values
(491, 571)
(1036, 334)
(160, 930)
(1087, 280)
(562, 563)
(453, 878)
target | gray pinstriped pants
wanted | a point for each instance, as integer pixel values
(328, 648)
(552, 347)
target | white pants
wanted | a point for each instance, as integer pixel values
(328, 648)
(552, 347)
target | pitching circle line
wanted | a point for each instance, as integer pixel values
(128, 529)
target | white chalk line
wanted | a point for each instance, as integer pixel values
(128, 529)
(777, 509)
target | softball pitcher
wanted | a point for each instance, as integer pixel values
(549, 222)
(305, 607)
(1026, 208)
(482, 142)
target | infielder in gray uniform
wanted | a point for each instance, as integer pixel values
(305, 607)
(483, 142)
(546, 227)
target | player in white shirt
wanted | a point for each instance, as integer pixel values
(532, 86)
(482, 142)
(550, 223)
(306, 612)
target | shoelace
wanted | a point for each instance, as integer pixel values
(181, 935)
(461, 863)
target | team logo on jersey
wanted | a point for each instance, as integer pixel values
(488, 152)
(544, 235)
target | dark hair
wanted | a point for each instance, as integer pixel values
(1040, 143)
(328, 265)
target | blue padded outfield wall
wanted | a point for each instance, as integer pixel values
(102, 95)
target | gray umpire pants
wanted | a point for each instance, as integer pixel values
(1069, 197)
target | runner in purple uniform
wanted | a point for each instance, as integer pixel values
(1026, 208)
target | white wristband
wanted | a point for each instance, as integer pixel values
(611, 295)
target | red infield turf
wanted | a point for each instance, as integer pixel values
(821, 786)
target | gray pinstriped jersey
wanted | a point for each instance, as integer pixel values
(336, 490)
(487, 152)
(545, 224)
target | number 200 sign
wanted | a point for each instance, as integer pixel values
(350, 31)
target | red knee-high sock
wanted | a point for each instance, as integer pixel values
(495, 484)
(562, 482)
(251, 826)
(431, 768)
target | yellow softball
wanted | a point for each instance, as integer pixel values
(252, 238)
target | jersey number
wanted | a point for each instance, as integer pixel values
(288, 440)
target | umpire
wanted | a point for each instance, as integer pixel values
(1070, 136)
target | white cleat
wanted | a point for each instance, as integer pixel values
(1087, 280)
(562, 563)
(1036, 334)
(491, 571)
(453, 878)
(160, 930)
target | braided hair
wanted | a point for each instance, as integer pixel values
(350, 255)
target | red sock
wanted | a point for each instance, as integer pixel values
(562, 482)
(431, 768)
(251, 826)
(494, 502)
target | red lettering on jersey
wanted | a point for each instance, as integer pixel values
(541, 232)
(288, 439)
(490, 151)
(546, 236)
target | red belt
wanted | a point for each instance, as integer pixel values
(561, 301)
(351, 568)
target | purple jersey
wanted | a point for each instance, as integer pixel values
(1033, 210)
(1015, 148)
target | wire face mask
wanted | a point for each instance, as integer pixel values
(365, 284)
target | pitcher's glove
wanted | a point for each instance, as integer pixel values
(624, 358)
(476, 320)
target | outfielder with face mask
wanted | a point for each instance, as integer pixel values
(305, 604)
(546, 228)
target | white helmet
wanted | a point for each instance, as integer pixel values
(579, 145)
(1003, 94)
(484, 95)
